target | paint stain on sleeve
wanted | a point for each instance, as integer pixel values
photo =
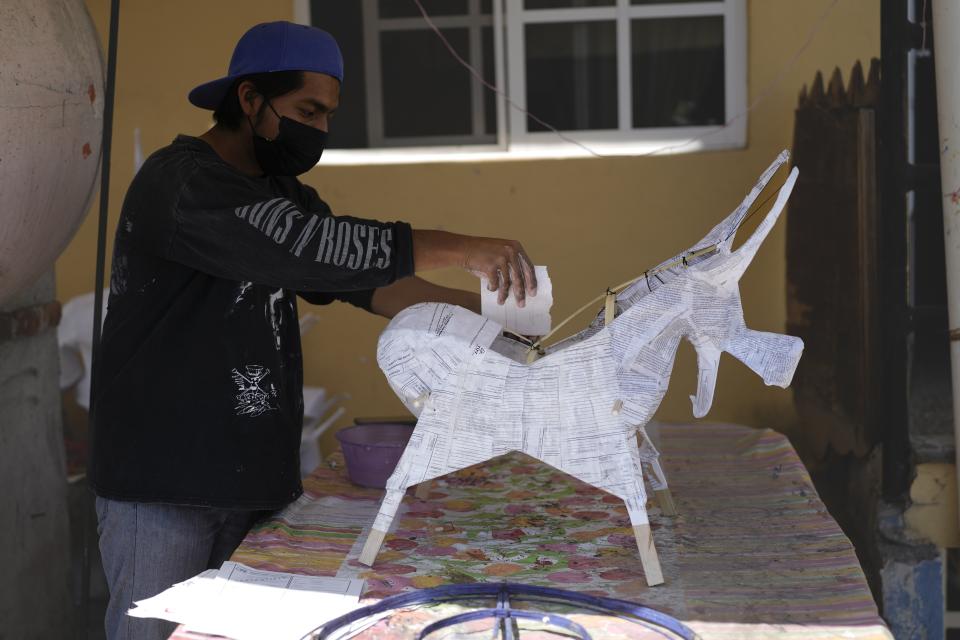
(86, 151)
(92, 92)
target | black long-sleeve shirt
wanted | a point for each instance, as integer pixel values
(199, 381)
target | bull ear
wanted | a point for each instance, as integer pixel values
(727, 272)
(726, 230)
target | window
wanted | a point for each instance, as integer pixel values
(617, 75)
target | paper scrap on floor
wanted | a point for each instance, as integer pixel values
(242, 603)
(533, 319)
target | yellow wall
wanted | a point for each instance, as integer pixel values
(595, 222)
(932, 514)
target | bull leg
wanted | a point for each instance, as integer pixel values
(664, 498)
(410, 466)
(636, 508)
(412, 470)
(388, 509)
(636, 500)
(624, 479)
(648, 554)
(650, 459)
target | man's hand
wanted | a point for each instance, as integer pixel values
(504, 263)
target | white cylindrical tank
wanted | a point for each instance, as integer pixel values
(51, 118)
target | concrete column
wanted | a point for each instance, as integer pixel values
(34, 525)
(946, 27)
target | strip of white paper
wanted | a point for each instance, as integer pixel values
(328, 511)
(533, 319)
(251, 604)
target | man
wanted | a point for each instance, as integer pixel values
(199, 389)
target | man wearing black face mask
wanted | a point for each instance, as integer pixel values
(199, 385)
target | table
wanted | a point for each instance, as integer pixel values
(753, 552)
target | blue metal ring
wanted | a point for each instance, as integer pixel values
(623, 609)
(480, 614)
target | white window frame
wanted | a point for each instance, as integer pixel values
(513, 140)
(623, 13)
(475, 22)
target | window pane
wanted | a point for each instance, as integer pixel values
(572, 75)
(489, 97)
(425, 91)
(486, 7)
(343, 19)
(407, 8)
(663, 1)
(678, 77)
(566, 4)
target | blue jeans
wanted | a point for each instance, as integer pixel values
(148, 547)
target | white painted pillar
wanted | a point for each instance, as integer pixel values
(946, 25)
(34, 525)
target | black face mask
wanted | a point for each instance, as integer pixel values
(295, 150)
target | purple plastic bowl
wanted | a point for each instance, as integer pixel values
(373, 450)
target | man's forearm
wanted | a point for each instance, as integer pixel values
(390, 300)
(437, 249)
(504, 263)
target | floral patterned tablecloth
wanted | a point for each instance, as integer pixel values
(753, 552)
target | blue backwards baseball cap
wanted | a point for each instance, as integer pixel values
(274, 46)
